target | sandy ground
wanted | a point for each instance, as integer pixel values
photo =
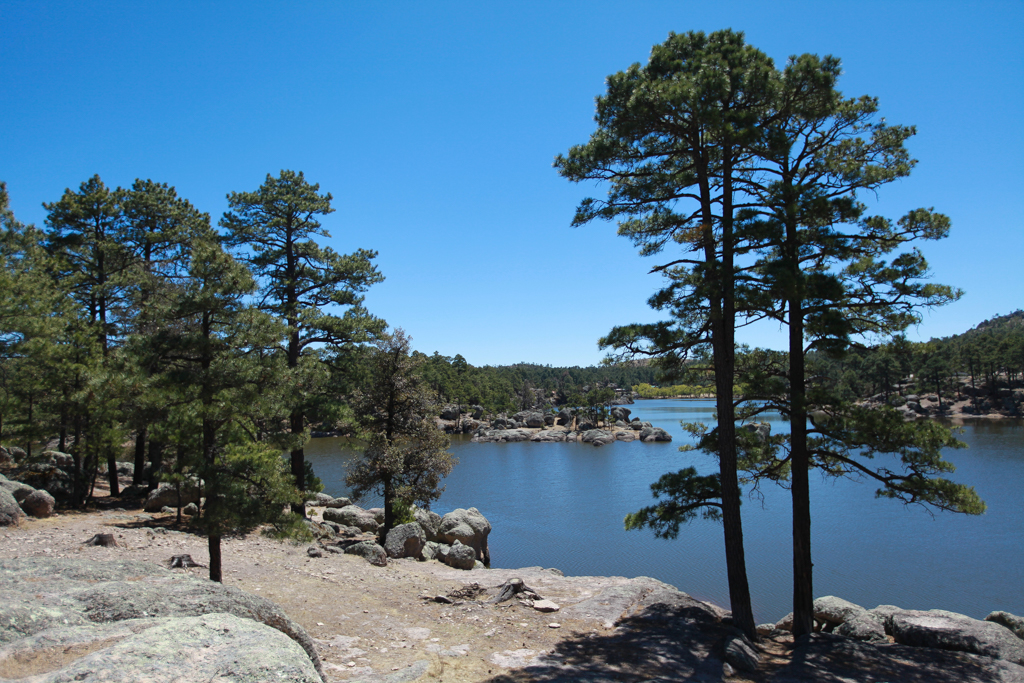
(367, 621)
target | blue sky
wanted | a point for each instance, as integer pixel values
(434, 126)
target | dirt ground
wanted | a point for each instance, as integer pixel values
(367, 621)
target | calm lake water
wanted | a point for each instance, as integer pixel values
(561, 505)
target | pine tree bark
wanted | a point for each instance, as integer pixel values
(213, 544)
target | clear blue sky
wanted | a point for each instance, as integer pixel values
(434, 126)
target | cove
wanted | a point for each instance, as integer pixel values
(561, 505)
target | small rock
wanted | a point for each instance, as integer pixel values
(314, 551)
(554, 624)
(545, 606)
(1010, 621)
(741, 654)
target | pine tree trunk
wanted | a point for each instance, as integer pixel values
(140, 457)
(803, 584)
(299, 463)
(215, 566)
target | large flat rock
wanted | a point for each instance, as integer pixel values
(42, 595)
(209, 647)
(950, 631)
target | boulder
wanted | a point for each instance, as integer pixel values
(18, 490)
(534, 420)
(625, 435)
(434, 551)
(44, 595)
(785, 623)
(319, 499)
(620, 413)
(761, 430)
(503, 436)
(429, 521)
(741, 654)
(597, 437)
(57, 482)
(460, 556)
(378, 514)
(585, 424)
(166, 495)
(38, 504)
(337, 502)
(650, 433)
(1010, 621)
(10, 511)
(468, 527)
(369, 551)
(451, 412)
(352, 515)
(950, 631)
(564, 417)
(405, 540)
(834, 611)
(865, 626)
(548, 436)
(197, 648)
(17, 454)
(191, 510)
(5, 456)
(478, 412)
(58, 459)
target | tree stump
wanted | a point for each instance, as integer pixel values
(511, 588)
(183, 562)
(105, 540)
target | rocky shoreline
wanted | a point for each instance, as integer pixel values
(284, 614)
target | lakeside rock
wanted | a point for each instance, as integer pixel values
(468, 527)
(932, 629)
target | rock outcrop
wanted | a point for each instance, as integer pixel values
(129, 621)
(470, 528)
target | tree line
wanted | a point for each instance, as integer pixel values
(750, 180)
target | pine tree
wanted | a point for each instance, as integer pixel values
(274, 228)
(213, 373)
(407, 455)
(671, 142)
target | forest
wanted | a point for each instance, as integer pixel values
(987, 358)
(133, 329)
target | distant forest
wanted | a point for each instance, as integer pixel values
(990, 354)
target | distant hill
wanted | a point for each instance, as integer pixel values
(998, 324)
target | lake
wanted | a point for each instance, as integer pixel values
(561, 505)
